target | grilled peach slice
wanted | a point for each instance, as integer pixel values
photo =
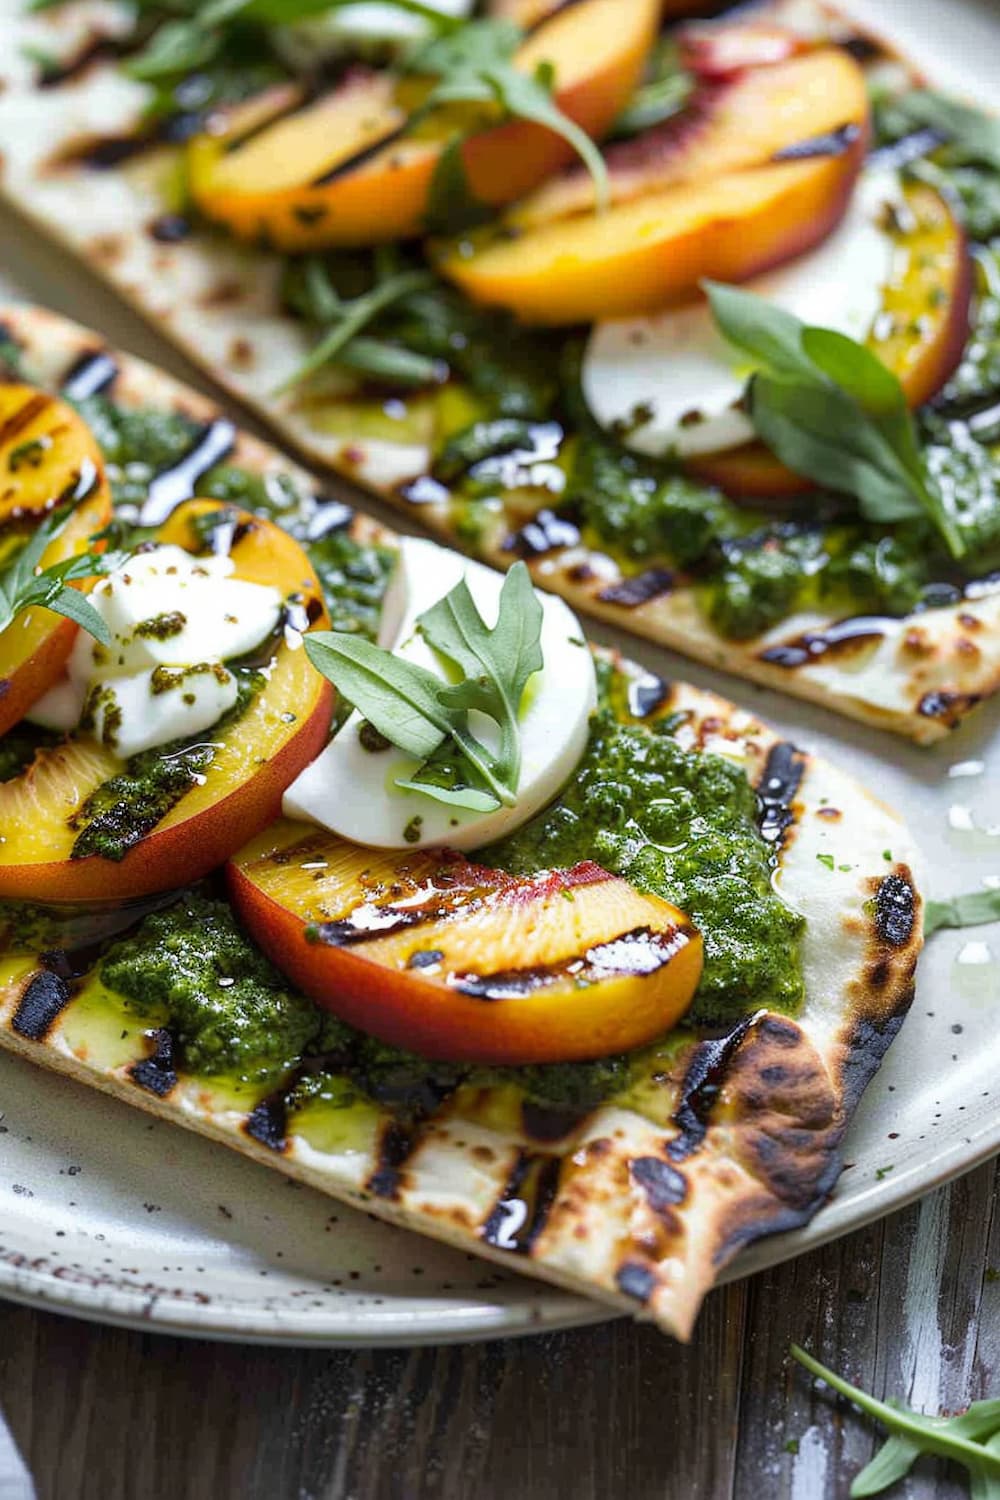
(218, 806)
(919, 334)
(48, 460)
(721, 51)
(741, 122)
(529, 13)
(657, 249)
(430, 951)
(341, 170)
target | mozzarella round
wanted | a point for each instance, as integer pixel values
(351, 790)
(367, 24)
(173, 620)
(669, 383)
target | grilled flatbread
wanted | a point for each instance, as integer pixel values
(71, 163)
(721, 1137)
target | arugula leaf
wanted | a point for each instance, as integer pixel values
(26, 585)
(970, 133)
(970, 1440)
(832, 411)
(971, 909)
(475, 65)
(347, 319)
(496, 663)
(428, 717)
(451, 204)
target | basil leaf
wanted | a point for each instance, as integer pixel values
(832, 412)
(972, 909)
(972, 133)
(398, 698)
(25, 585)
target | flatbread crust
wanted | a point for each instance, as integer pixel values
(219, 302)
(638, 1204)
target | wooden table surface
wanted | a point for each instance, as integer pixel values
(908, 1307)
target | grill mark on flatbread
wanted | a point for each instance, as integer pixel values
(395, 1145)
(664, 1186)
(45, 996)
(779, 783)
(845, 637)
(895, 910)
(949, 708)
(635, 1280)
(639, 588)
(171, 486)
(648, 695)
(548, 531)
(91, 375)
(520, 1213)
(267, 1122)
(157, 1073)
(703, 1078)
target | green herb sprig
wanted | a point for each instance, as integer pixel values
(475, 65)
(972, 1439)
(831, 411)
(26, 585)
(970, 134)
(345, 320)
(428, 717)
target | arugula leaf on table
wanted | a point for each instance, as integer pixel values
(475, 65)
(833, 412)
(427, 716)
(971, 909)
(972, 1439)
(26, 585)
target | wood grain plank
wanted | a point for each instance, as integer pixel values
(910, 1307)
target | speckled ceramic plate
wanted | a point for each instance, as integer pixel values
(109, 1215)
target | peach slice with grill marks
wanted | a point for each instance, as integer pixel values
(48, 460)
(343, 170)
(731, 124)
(431, 951)
(235, 792)
(645, 254)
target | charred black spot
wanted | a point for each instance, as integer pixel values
(706, 1073)
(45, 995)
(519, 1214)
(309, 214)
(781, 779)
(170, 229)
(636, 1281)
(157, 1073)
(171, 486)
(895, 905)
(830, 143)
(647, 695)
(862, 48)
(946, 706)
(268, 1123)
(92, 373)
(331, 516)
(395, 1145)
(630, 593)
(663, 1185)
(548, 531)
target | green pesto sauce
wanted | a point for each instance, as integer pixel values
(682, 825)
(122, 811)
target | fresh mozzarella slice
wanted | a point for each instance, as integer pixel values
(136, 713)
(167, 608)
(351, 789)
(60, 707)
(669, 383)
(370, 23)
